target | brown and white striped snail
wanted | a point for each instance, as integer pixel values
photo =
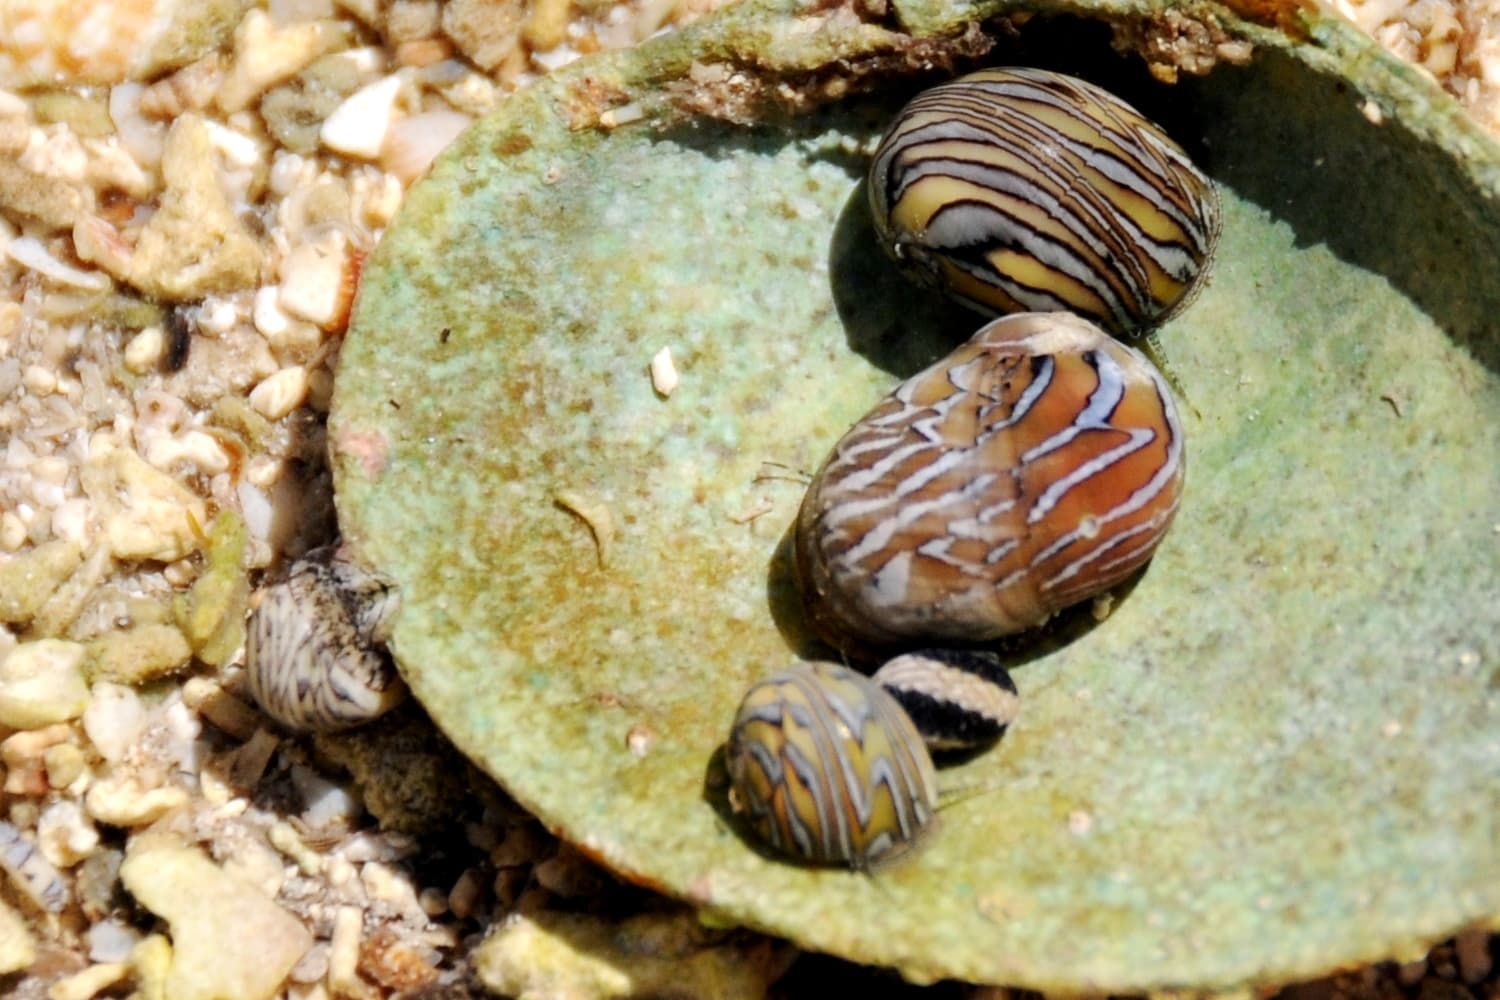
(1036, 466)
(1023, 190)
(314, 652)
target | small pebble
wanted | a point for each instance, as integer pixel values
(281, 393)
(1472, 948)
(30, 871)
(65, 763)
(17, 947)
(358, 127)
(663, 372)
(41, 683)
(114, 720)
(145, 350)
(65, 835)
(314, 281)
(227, 939)
(111, 940)
(85, 984)
(122, 801)
(343, 951)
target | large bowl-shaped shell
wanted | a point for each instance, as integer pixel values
(1278, 756)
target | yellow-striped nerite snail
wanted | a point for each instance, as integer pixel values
(314, 649)
(1036, 466)
(1023, 190)
(828, 768)
(832, 767)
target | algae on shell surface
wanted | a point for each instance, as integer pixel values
(1278, 755)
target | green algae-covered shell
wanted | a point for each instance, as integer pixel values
(1279, 754)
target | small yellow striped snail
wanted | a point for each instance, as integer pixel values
(829, 770)
(1036, 466)
(1023, 190)
(314, 652)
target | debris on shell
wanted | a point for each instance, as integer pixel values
(663, 372)
(595, 514)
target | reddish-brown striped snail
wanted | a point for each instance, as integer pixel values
(1034, 467)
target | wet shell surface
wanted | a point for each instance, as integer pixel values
(829, 770)
(315, 654)
(1018, 190)
(1036, 466)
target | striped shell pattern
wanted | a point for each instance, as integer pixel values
(829, 770)
(1019, 190)
(314, 651)
(1034, 467)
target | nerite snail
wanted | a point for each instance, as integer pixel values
(1019, 190)
(1036, 466)
(314, 649)
(828, 769)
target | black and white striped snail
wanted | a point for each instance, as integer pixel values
(1036, 466)
(958, 699)
(829, 770)
(314, 651)
(1023, 190)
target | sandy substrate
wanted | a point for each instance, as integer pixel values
(179, 257)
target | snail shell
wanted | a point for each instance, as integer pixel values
(314, 650)
(1019, 190)
(958, 699)
(828, 768)
(1036, 466)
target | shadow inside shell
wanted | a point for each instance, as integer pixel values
(1376, 196)
(888, 320)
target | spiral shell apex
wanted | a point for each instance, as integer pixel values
(1036, 466)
